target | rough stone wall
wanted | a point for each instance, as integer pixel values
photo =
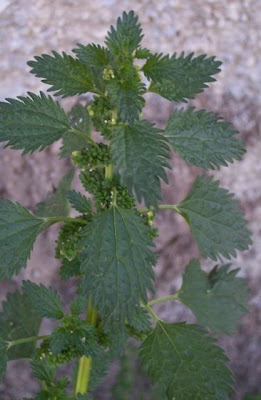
(229, 29)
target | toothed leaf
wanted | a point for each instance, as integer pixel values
(159, 67)
(59, 340)
(189, 77)
(142, 53)
(18, 320)
(93, 55)
(140, 153)
(218, 300)
(126, 37)
(32, 123)
(215, 220)
(3, 357)
(78, 305)
(117, 264)
(45, 301)
(140, 321)
(79, 202)
(186, 363)
(100, 366)
(203, 138)
(80, 120)
(66, 75)
(43, 371)
(126, 95)
(70, 269)
(56, 204)
(18, 232)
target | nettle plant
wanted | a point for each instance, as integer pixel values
(109, 246)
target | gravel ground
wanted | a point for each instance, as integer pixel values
(228, 29)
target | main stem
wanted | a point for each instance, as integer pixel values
(85, 363)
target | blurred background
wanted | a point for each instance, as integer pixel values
(229, 29)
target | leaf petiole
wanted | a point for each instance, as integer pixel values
(26, 340)
(160, 207)
(82, 134)
(152, 313)
(163, 299)
(53, 220)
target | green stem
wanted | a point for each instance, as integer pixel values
(152, 313)
(84, 136)
(109, 172)
(26, 340)
(163, 299)
(161, 207)
(44, 386)
(114, 197)
(109, 176)
(85, 363)
(53, 220)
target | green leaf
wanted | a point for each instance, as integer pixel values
(54, 392)
(189, 77)
(18, 232)
(140, 153)
(215, 220)
(117, 342)
(18, 320)
(80, 202)
(59, 340)
(3, 357)
(126, 95)
(142, 53)
(56, 204)
(159, 67)
(93, 55)
(66, 75)
(139, 324)
(140, 320)
(43, 371)
(78, 305)
(46, 302)
(79, 119)
(99, 370)
(83, 397)
(70, 269)
(186, 363)
(117, 264)
(126, 378)
(76, 337)
(32, 122)
(218, 300)
(97, 58)
(203, 138)
(126, 37)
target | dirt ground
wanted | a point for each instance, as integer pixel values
(228, 29)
